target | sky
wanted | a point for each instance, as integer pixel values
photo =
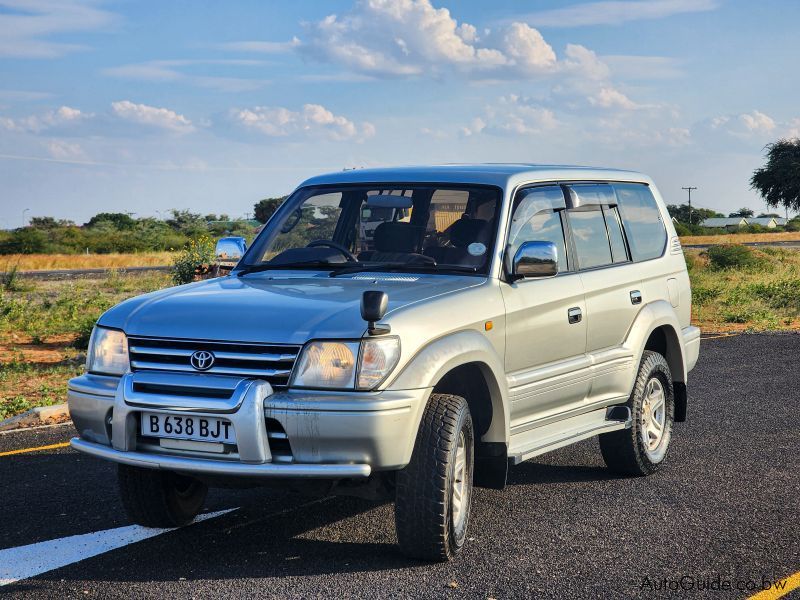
(143, 107)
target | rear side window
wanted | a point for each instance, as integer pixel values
(618, 251)
(647, 236)
(590, 238)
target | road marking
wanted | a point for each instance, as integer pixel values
(779, 588)
(23, 562)
(36, 449)
(35, 428)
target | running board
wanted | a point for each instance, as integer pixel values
(539, 440)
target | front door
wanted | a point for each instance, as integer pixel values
(545, 360)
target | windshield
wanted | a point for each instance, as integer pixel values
(371, 227)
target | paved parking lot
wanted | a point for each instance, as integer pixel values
(724, 510)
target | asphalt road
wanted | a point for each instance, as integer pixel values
(724, 508)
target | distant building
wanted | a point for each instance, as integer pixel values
(781, 222)
(730, 223)
(768, 222)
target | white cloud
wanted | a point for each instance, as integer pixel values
(169, 71)
(62, 150)
(397, 38)
(161, 118)
(793, 128)
(260, 47)
(311, 121)
(608, 97)
(615, 12)
(61, 117)
(27, 26)
(757, 121)
(513, 115)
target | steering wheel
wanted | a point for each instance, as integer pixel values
(336, 246)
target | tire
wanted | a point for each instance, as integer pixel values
(154, 498)
(625, 451)
(430, 520)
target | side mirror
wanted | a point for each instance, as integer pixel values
(373, 308)
(535, 259)
(229, 251)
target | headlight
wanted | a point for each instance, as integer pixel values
(108, 352)
(346, 365)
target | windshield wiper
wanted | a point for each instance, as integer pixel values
(403, 267)
(295, 265)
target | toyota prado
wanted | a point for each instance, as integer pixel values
(492, 313)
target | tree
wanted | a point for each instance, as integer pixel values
(263, 209)
(778, 181)
(769, 215)
(120, 221)
(681, 213)
(742, 212)
(49, 223)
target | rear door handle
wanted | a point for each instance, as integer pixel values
(636, 297)
(574, 315)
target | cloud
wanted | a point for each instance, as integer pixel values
(744, 125)
(64, 116)
(313, 120)
(757, 122)
(609, 97)
(403, 38)
(62, 150)
(160, 118)
(616, 12)
(27, 26)
(260, 47)
(169, 71)
(513, 115)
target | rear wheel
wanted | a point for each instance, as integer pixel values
(641, 449)
(434, 491)
(154, 498)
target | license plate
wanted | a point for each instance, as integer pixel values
(188, 427)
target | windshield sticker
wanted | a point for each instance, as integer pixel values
(476, 249)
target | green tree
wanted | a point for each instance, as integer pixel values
(263, 209)
(742, 212)
(681, 213)
(120, 221)
(49, 223)
(768, 215)
(778, 181)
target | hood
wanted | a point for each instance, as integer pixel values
(286, 308)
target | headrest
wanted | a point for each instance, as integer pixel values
(466, 231)
(397, 236)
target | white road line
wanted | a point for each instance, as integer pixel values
(23, 562)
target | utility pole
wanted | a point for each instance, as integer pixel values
(23, 216)
(689, 189)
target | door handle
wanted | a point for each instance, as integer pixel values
(636, 297)
(574, 315)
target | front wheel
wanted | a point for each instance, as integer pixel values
(642, 448)
(434, 491)
(155, 498)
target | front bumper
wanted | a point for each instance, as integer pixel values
(329, 434)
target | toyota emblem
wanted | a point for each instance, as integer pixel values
(202, 360)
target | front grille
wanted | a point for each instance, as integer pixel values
(271, 362)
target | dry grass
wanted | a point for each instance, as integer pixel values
(741, 238)
(764, 296)
(44, 262)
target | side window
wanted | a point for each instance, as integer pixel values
(537, 217)
(590, 238)
(642, 220)
(618, 251)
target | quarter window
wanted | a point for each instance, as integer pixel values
(537, 220)
(590, 238)
(642, 220)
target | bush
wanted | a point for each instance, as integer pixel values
(682, 230)
(731, 256)
(193, 260)
(779, 294)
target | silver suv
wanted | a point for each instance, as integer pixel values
(497, 313)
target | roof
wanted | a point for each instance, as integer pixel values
(501, 174)
(761, 220)
(723, 221)
(781, 220)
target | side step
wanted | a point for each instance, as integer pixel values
(539, 440)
